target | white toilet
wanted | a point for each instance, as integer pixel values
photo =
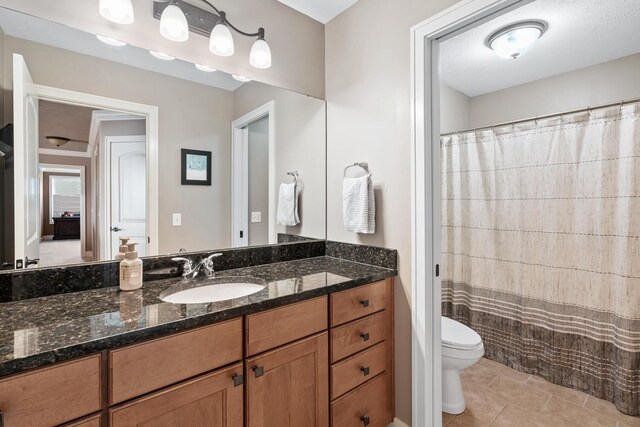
(461, 348)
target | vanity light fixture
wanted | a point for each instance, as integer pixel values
(117, 11)
(205, 68)
(110, 41)
(58, 141)
(162, 56)
(515, 40)
(183, 17)
(242, 79)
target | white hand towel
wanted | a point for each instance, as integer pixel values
(358, 205)
(288, 205)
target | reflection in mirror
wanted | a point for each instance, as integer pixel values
(104, 141)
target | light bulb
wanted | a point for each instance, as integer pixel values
(242, 79)
(110, 41)
(260, 55)
(205, 68)
(173, 24)
(161, 55)
(517, 39)
(221, 41)
(118, 11)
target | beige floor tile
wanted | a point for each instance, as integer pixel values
(564, 414)
(570, 395)
(483, 405)
(607, 408)
(446, 418)
(465, 420)
(514, 416)
(505, 370)
(518, 393)
(477, 377)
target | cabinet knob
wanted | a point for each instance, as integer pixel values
(364, 336)
(1, 419)
(258, 371)
(365, 421)
(237, 379)
(365, 370)
(365, 303)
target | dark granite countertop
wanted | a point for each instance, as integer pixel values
(39, 331)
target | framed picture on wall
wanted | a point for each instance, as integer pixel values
(196, 167)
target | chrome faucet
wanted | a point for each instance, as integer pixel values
(189, 271)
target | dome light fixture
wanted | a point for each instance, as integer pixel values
(58, 141)
(205, 68)
(515, 40)
(173, 24)
(110, 41)
(161, 55)
(117, 11)
(239, 78)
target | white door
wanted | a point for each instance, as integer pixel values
(26, 184)
(128, 188)
(240, 189)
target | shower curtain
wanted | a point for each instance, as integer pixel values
(541, 247)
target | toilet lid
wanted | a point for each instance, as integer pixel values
(457, 335)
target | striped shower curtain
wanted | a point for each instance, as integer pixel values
(541, 247)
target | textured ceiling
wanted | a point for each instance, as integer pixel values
(68, 121)
(39, 30)
(320, 10)
(581, 33)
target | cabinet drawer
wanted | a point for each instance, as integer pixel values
(358, 335)
(151, 365)
(52, 395)
(209, 400)
(283, 325)
(358, 302)
(92, 421)
(367, 405)
(357, 370)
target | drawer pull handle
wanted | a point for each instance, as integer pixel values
(365, 371)
(365, 421)
(365, 303)
(1, 419)
(237, 379)
(364, 336)
(258, 371)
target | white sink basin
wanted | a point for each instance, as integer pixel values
(211, 293)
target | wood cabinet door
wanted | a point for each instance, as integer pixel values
(211, 400)
(289, 386)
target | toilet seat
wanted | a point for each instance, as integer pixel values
(457, 336)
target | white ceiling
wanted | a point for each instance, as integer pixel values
(320, 10)
(581, 33)
(39, 30)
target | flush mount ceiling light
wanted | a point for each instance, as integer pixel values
(515, 40)
(58, 141)
(241, 78)
(205, 68)
(161, 55)
(110, 41)
(177, 18)
(118, 11)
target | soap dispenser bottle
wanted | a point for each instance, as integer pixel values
(123, 249)
(131, 269)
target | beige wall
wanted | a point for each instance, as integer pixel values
(368, 101)
(296, 41)
(191, 116)
(259, 181)
(300, 145)
(455, 110)
(600, 84)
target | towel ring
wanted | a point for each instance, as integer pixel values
(363, 165)
(294, 174)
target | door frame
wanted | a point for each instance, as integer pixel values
(425, 196)
(104, 210)
(151, 115)
(240, 174)
(84, 253)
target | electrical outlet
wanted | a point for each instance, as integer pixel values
(177, 219)
(256, 216)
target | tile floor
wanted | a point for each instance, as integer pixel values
(500, 396)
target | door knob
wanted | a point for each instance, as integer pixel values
(116, 229)
(28, 262)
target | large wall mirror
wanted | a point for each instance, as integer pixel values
(103, 141)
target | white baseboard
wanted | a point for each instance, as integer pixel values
(397, 423)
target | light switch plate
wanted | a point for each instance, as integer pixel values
(256, 216)
(177, 219)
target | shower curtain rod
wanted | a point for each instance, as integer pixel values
(546, 116)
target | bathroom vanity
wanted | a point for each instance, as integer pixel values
(313, 348)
